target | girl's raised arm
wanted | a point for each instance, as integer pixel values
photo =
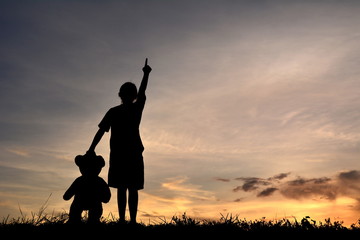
(146, 69)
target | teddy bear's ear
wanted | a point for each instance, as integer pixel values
(79, 160)
(100, 161)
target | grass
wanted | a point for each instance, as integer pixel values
(42, 225)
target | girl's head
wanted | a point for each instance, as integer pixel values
(128, 92)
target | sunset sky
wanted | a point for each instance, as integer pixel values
(252, 106)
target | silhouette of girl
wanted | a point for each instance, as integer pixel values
(126, 169)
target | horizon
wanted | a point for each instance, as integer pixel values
(252, 107)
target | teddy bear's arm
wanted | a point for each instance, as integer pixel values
(105, 191)
(72, 190)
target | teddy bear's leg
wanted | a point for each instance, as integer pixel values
(95, 213)
(75, 213)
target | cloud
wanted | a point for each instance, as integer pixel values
(15, 179)
(238, 188)
(343, 184)
(349, 176)
(349, 185)
(267, 192)
(152, 214)
(180, 187)
(19, 152)
(254, 183)
(302, 181)
(279, 176)
(301, 188)
(222, 179)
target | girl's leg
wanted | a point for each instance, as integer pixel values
(121, 198)
(133, 204)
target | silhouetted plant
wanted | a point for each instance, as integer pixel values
(227, 224)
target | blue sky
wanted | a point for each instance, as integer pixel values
(240, 91)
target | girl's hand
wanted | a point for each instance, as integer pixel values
(90, 153)
(146, 69)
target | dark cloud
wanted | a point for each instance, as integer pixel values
(350, 175)
(302, 181)
(238, 200)
(279, 176)
(254, 183)
(222, 179)
(238, 188)
(343, 184)
(349, 185)
(301, 188)
(267, 192)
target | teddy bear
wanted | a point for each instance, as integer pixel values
(89, 190)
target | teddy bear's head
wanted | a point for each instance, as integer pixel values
(90, 165)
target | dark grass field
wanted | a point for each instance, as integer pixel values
(50, 226)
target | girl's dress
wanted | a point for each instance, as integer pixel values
(126, 168)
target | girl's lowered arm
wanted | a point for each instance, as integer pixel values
(99, 134)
